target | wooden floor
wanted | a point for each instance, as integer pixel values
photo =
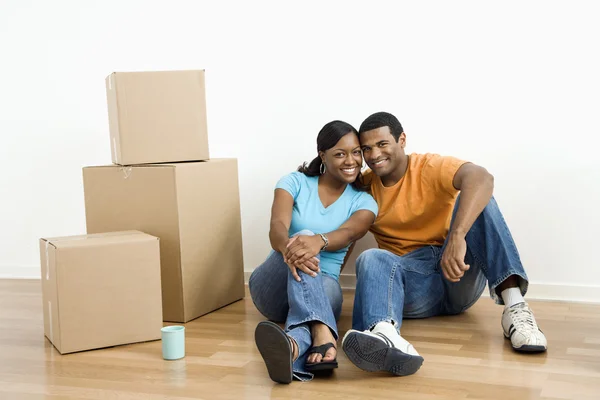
(466, 357)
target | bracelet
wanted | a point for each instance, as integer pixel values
(324, 240)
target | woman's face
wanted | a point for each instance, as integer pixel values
(344, 160)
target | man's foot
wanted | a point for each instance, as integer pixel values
(519, 325)
(322, 354)
(381, 350)
(277, 349)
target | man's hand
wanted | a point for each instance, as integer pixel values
(303, 248)
(453, 259)
(309, 266)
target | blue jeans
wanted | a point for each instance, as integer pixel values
(414, 284)
(279, 297)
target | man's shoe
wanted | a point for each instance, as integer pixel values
(375, 352)
(518, 324)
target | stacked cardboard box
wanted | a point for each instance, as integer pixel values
(163, 221)
(164, 183)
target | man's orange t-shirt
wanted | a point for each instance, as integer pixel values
(417, 210)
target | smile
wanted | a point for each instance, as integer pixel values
(349, 171)
(378, 163)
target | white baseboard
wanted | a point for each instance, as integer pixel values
(536, 291)
(20, 272)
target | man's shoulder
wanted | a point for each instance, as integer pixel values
(424, 158)
(370, 180)
(367, 177)
(432, 160)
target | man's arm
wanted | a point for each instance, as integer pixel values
(476, 186)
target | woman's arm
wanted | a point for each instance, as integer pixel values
(281, 218)
(348, 253)
(306, 247)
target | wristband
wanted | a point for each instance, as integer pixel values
(324, 240)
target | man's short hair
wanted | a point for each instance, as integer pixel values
(379, 120)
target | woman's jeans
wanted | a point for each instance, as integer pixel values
(279, 297)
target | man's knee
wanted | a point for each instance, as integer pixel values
(372, 258)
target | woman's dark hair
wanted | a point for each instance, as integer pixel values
(329, 135)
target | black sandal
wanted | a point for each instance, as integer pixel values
(323, 365)
(276, 350)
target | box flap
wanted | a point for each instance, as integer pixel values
(97, 239)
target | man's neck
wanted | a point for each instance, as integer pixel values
(394, 177)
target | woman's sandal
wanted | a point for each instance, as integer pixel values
(323, 365)
(276, 350)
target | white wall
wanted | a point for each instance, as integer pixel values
(513, 86)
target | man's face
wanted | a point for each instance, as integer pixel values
(381, 151)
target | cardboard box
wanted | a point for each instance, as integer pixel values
(101, 290)
(194, 208)
(157, 117)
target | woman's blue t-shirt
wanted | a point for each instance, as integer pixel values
(309, 213)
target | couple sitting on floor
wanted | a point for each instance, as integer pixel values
(437, 251)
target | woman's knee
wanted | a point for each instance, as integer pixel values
(272, 308)
(304, 232)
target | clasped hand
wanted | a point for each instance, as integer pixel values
(300, 254)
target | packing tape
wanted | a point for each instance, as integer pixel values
(50, 321)
(47, 262)
(126, 171)
(114, 147)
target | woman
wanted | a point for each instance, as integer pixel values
(318, 212)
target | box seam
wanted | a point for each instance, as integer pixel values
(176, 188)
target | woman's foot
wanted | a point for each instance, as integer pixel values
(294, 348)
(321, 334)
(277, 349)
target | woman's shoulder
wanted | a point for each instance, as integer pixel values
(293, 179)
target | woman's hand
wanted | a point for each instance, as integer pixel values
(303, 248)
(307, 264)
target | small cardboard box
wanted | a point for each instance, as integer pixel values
(157, 117)
(194, 208)
(101, 290)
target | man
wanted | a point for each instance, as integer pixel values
(437, 250)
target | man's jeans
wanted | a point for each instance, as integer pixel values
(279, 297)
(391, 287)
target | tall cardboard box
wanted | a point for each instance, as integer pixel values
(100, 290)
(157, 116)
(194, 208)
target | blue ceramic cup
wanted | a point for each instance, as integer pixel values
(173, 342)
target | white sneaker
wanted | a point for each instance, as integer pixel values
(518, 324)
(376, 352)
